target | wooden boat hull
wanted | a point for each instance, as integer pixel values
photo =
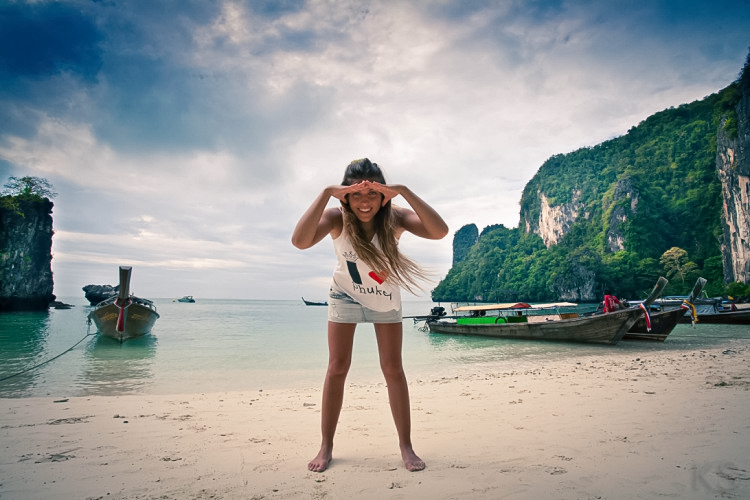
(601, 329)
(139, 320)
(125, 316)
(739, 317)
(662, 324)
(710, 311)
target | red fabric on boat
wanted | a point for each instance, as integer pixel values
(121, 316)
(647, 316)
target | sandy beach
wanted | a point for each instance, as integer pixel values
(664, 425)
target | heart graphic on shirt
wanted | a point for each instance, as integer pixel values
(379, 277)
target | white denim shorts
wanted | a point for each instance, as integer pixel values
(344, 309)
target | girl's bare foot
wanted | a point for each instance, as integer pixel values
(321, 461)
(411, 461)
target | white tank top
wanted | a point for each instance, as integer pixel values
(370, 288)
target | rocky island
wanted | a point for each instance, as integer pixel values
(25, 253)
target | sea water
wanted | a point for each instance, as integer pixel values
(254, 345)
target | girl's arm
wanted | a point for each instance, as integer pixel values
(317, 222)
(422, 220)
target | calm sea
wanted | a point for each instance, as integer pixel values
(244, 345)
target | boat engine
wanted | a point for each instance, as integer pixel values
(437, 311)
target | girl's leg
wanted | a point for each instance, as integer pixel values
(340, 342)
(390, 337)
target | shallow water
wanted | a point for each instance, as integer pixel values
(227, 345)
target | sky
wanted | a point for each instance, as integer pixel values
(185, 138)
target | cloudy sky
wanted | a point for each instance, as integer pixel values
(185, 138)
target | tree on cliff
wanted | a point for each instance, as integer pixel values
(29, 187)
(676, 263)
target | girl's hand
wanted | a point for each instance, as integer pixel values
(340, 192)
(388, 191)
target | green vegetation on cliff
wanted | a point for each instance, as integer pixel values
(630, 201)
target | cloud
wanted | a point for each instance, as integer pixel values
(189, 136)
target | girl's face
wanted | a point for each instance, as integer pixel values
(365, 204)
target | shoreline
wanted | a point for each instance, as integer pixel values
(659, 424)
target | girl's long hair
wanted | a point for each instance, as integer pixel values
(401, 270)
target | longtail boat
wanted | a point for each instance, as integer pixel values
(313, 303)
(713, 310)
(719, 312)
(664, 321)
(549, 322)
(124, 316)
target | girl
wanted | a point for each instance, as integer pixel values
(366, 286)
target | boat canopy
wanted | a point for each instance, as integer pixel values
(514, 305)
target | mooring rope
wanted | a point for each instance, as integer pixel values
(88, 334)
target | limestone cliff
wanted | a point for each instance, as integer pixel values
(577, 285)
(601, 217)
(26, 254)
(555, 221)
(733, 167)
(624, 204)
(463, 240)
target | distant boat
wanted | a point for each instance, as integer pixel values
(311, 303)
(663, 321)
(124, 316)
(543, 321)
(186, 298)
